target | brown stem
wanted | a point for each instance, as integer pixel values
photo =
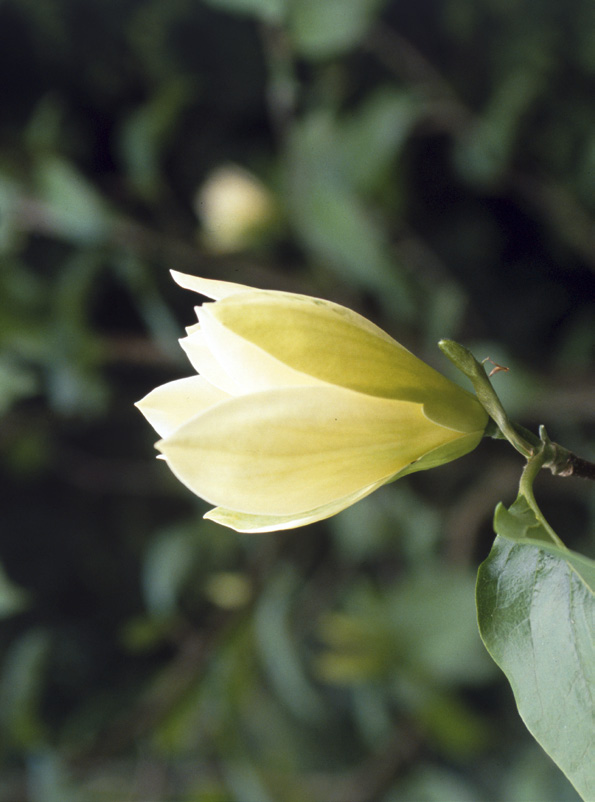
(576, 466)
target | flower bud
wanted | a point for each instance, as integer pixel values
(234, 208)
(300, 408)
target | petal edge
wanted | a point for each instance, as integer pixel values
(260, 524)
(209, 287)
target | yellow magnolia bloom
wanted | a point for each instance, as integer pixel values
(301, 408)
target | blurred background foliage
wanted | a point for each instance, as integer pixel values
(430, 164)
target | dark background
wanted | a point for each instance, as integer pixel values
(430, 164)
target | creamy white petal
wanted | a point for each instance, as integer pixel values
(252, 368)
(202, 360)
(209, 287)
(257, 524)
(287, 451)
(169, 406)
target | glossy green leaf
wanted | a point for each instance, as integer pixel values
(520, 524)
(536, 615)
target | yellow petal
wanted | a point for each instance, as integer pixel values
(169, 406)
(288, 451)
(334, 345)
(257, 524)
(443, 454)
(209, 287)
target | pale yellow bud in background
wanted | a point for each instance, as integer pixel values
(234, 207)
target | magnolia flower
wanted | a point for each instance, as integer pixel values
(300, 408)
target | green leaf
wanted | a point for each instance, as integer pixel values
(271, 11)
(536, 614)
(146, 132)
(13, 599)
(423, 627)
(278, 649)
(169, 561)
(333, 220)
(325, 29)
(16, 381)
(374, 134)
(484, 154)
(520, 524)
(75, 209)
(21, 684)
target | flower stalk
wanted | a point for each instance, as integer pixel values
(559, 460)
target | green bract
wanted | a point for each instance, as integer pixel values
(301, 408)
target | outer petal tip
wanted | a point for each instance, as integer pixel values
(169, 406)
(209, 287)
